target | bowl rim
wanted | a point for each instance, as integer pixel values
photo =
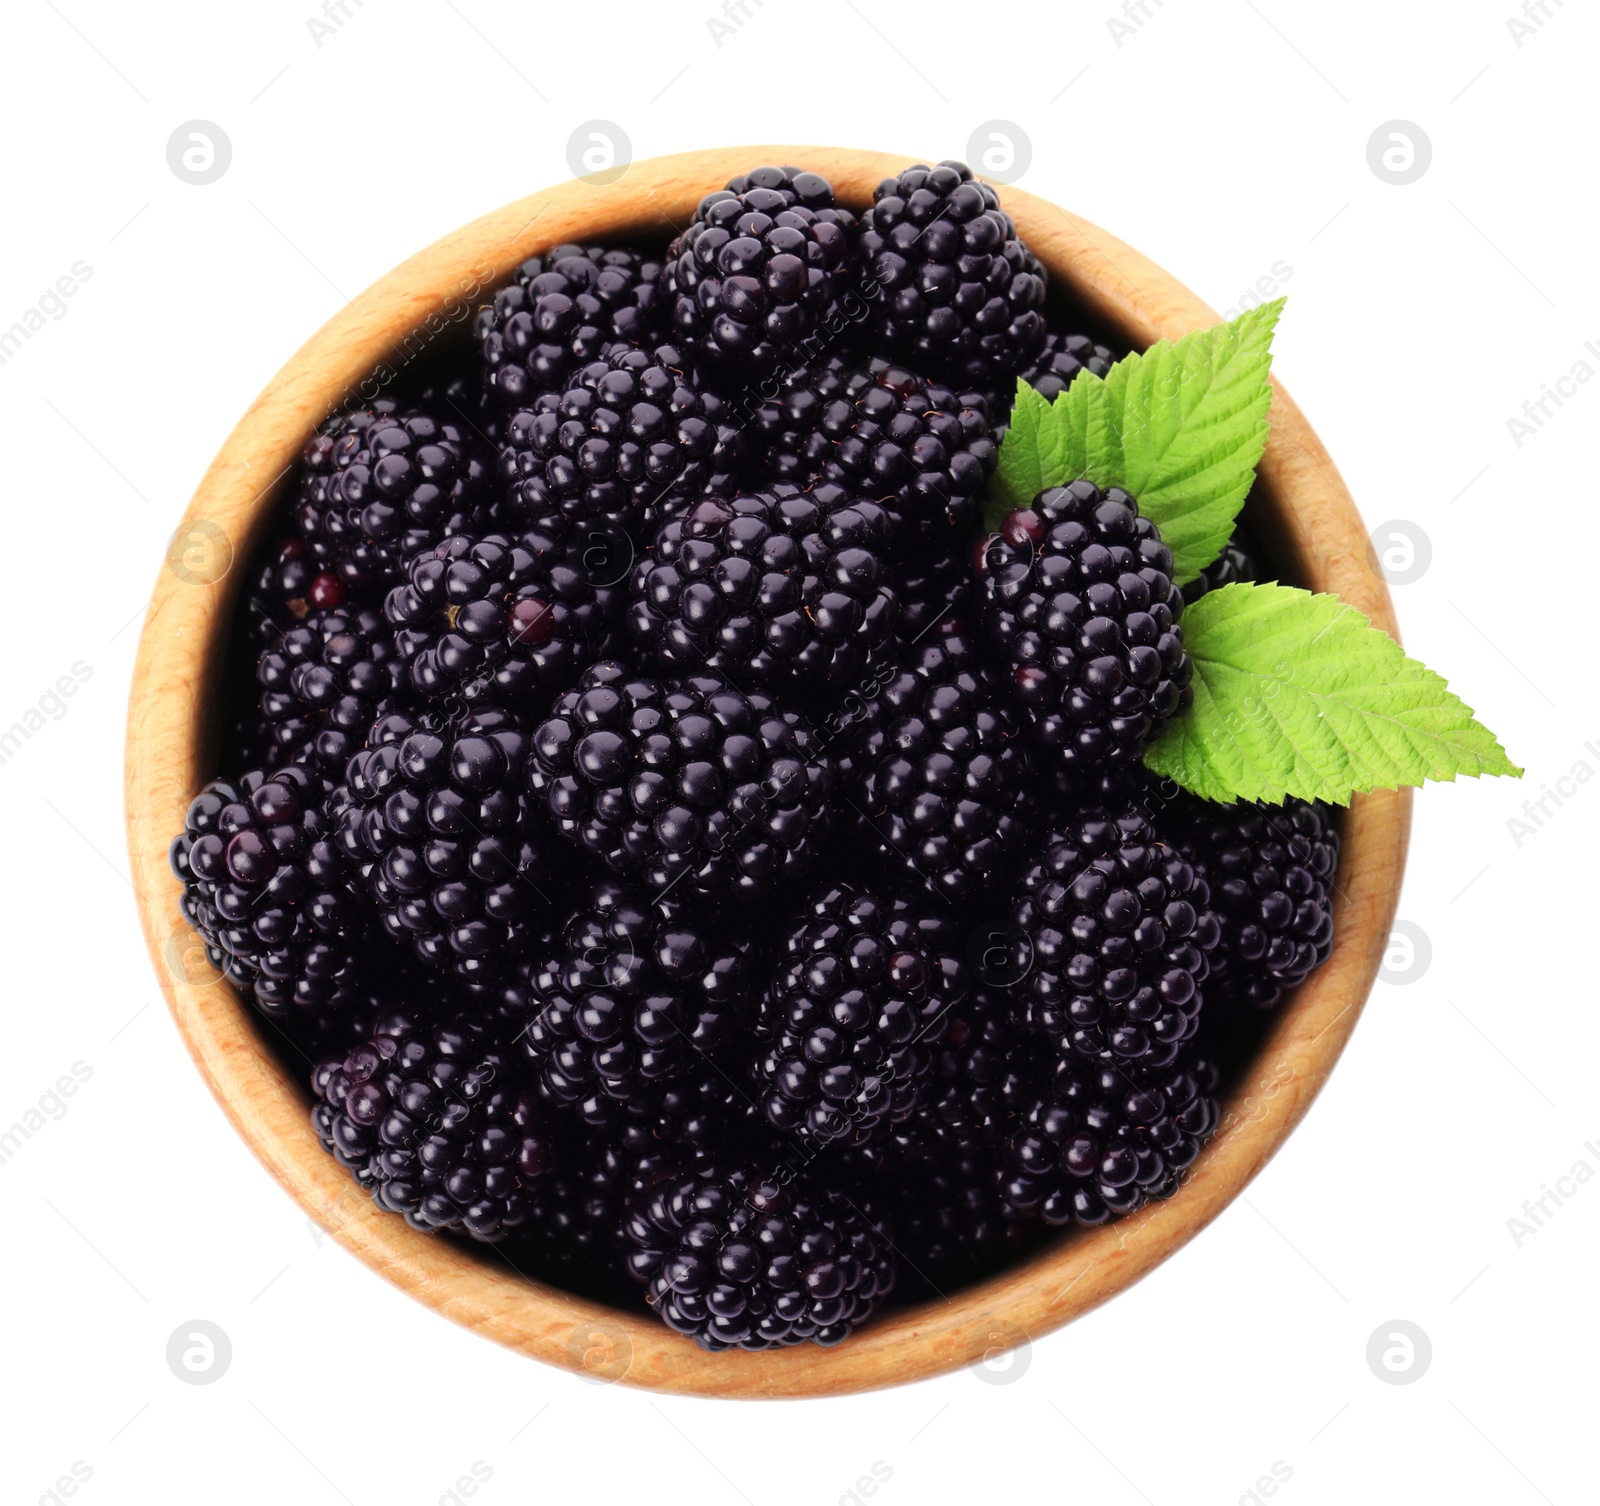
(1302, 510)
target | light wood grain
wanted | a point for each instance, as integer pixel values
(1301, 504)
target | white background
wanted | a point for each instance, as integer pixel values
(1221, 138)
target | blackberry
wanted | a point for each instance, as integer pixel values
(502, 617)
(377, 485)
(627, 441)
(783, 588)
(635, 995)
(325, 681)
(945, 784)
(1107, 1138)
(432, 1119)
(1271, 870)
(271, 895)
(1233, 565)
(1061, 359)
(563, 310)
(1078, 597)
(757, 272)
(736, 1257)
(880, 430)
(1119, 927)
(961, 296)
(684, 782)
(456, 858)
(849, 1024)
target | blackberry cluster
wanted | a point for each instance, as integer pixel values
(271, 894)
(501, 617)
(946, 782)
(1233, 565)
(959, 293)
(442, 825)
(1078, 597)
(739, 1258)
(847, 1030)
(685, 784)
(563, 310)
(631, 999)
(430, 1117)
(378, 485)
(758, 270)
(688, 855)
(1271, 871)
(629, 440)
(784, 589)
(1119, 931)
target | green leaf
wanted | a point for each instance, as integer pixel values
(1180, 426)
(1296, 694)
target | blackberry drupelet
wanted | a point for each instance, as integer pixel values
(563, 310)
(1078, 598)
(1120, 929)
(1061, 359)
(945, 783)
(1106, 1139)
(433, 1120)
(949, 1223)
(502, 617)
(629, 440)
(849, 1024)
(1233, 565)
(755, 275)
(377, 485)
(457, 860)
(961, 296)
(687, 784)
(271, 895)
(636, 994)
(737, 1257)
(1271, 870)
(325, 681)
(879, 430)
(784, 589)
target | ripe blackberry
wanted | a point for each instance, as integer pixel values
(270, 894)
(737, 1257)
(961, 295)
(325, 681)
(433, 1120)
(782, 588)
(628, 439)
(757, 272)
(636, 994)
(502, 617)
(377, 485)
(456, 857)
(945, 782)
(563, 310)
(879, 430)
(1061, 359)
(1271, 870)
(849, 1024)
(1108, 1138)
(684, 783)
(1119, 927)
(1078, 597)
(1233, 565)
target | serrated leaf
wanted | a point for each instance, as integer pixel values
(1181, 426)
(1296, 694)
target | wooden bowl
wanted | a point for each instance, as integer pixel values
(1302, 511)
